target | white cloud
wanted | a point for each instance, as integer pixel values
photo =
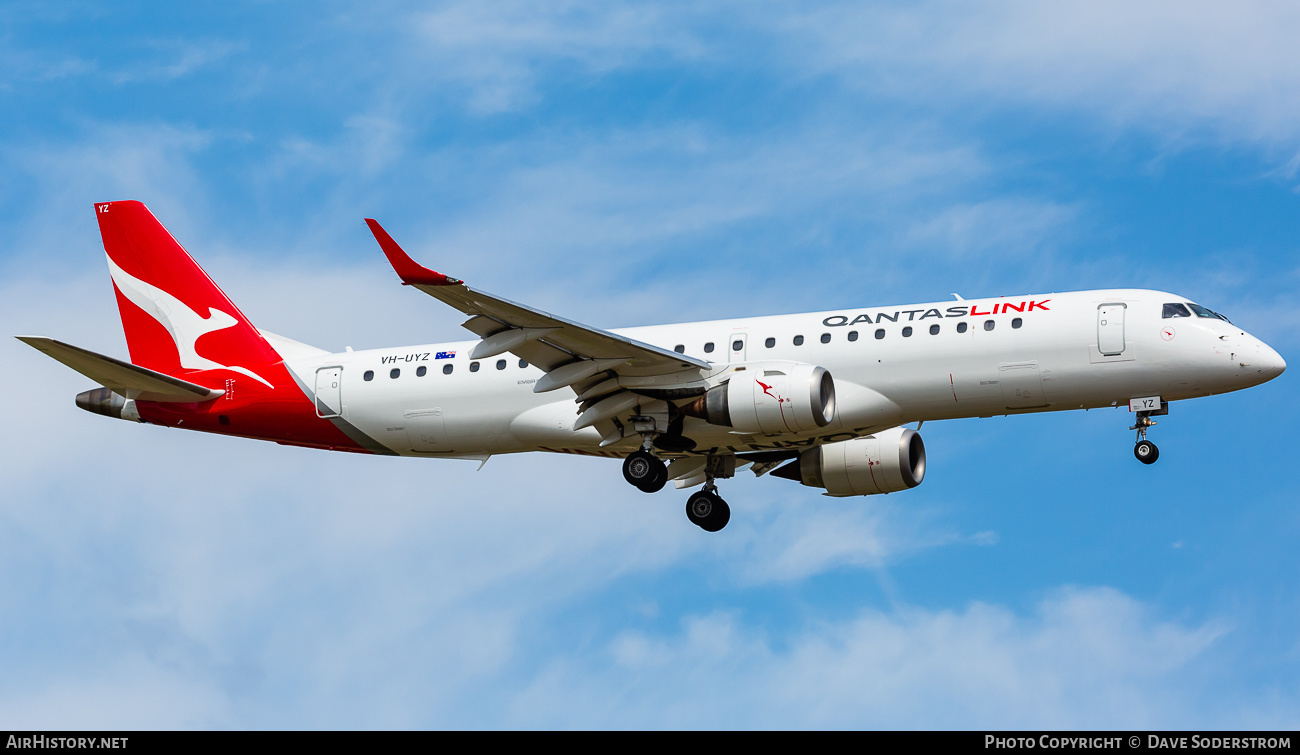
(1176, 67)
(497, 51)
(154, 60)
(1085, 658)
(653, 219)
(1183, 70)
(131, 692)
(149, 162)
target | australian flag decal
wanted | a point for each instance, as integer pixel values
(445, 355)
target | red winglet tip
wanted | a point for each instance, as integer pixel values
(410, 271)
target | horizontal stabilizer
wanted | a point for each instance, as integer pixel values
(126, 379)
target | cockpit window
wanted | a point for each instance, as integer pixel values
(1204, 312)
(1175, 309)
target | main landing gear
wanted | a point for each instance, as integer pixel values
(1146, 451)
(646, 471)
(705, 508)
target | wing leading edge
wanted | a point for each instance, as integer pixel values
(571, 353)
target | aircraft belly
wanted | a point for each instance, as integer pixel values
(551, 424)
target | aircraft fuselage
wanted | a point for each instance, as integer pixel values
(890, 365)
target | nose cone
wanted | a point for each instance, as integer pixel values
(1271, 363)
(1258, 361)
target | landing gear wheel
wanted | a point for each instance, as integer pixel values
(707, 511)
(660, 479)
(1146, 452)
(646, 472)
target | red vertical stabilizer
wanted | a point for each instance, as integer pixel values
(176, 319)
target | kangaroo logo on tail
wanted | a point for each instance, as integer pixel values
(184, 324)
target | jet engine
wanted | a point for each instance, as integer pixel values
(886, 462)
(106, 402)
(770, 398)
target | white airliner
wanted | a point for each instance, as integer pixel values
(692, 403)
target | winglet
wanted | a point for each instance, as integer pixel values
(411, 272)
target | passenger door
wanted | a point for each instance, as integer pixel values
(329, 391)
(1110, 329)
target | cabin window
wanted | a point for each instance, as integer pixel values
(880, 333)
(421, 371)
(473, 366)
(826, 337)
(989, 324)
(370, 375)
(907, 331)
(853, 335)
(961, 327)
(501, 364)
(1174, 309)
(223, 419)
(798, 340)
(523, 363)
(934, 330)
(769, 343)
(447, 368)
(708, 347)
(1016, 323)
(394, 374)
(737, 345)
(680, 348)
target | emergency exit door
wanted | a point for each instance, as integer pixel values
(737, 347)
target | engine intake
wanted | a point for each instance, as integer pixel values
(770, 398)
(886, 462)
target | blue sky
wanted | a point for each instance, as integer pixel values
(632, 164)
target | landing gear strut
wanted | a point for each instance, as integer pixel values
(705, 508)
(1146, 451)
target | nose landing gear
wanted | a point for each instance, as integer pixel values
(1146, 451)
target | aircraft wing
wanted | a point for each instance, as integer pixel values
(123, 378)
(564, 349)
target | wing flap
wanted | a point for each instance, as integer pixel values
(123, 378)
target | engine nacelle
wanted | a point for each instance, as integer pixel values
(886, 462)
(106, 402)
(770, 398)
